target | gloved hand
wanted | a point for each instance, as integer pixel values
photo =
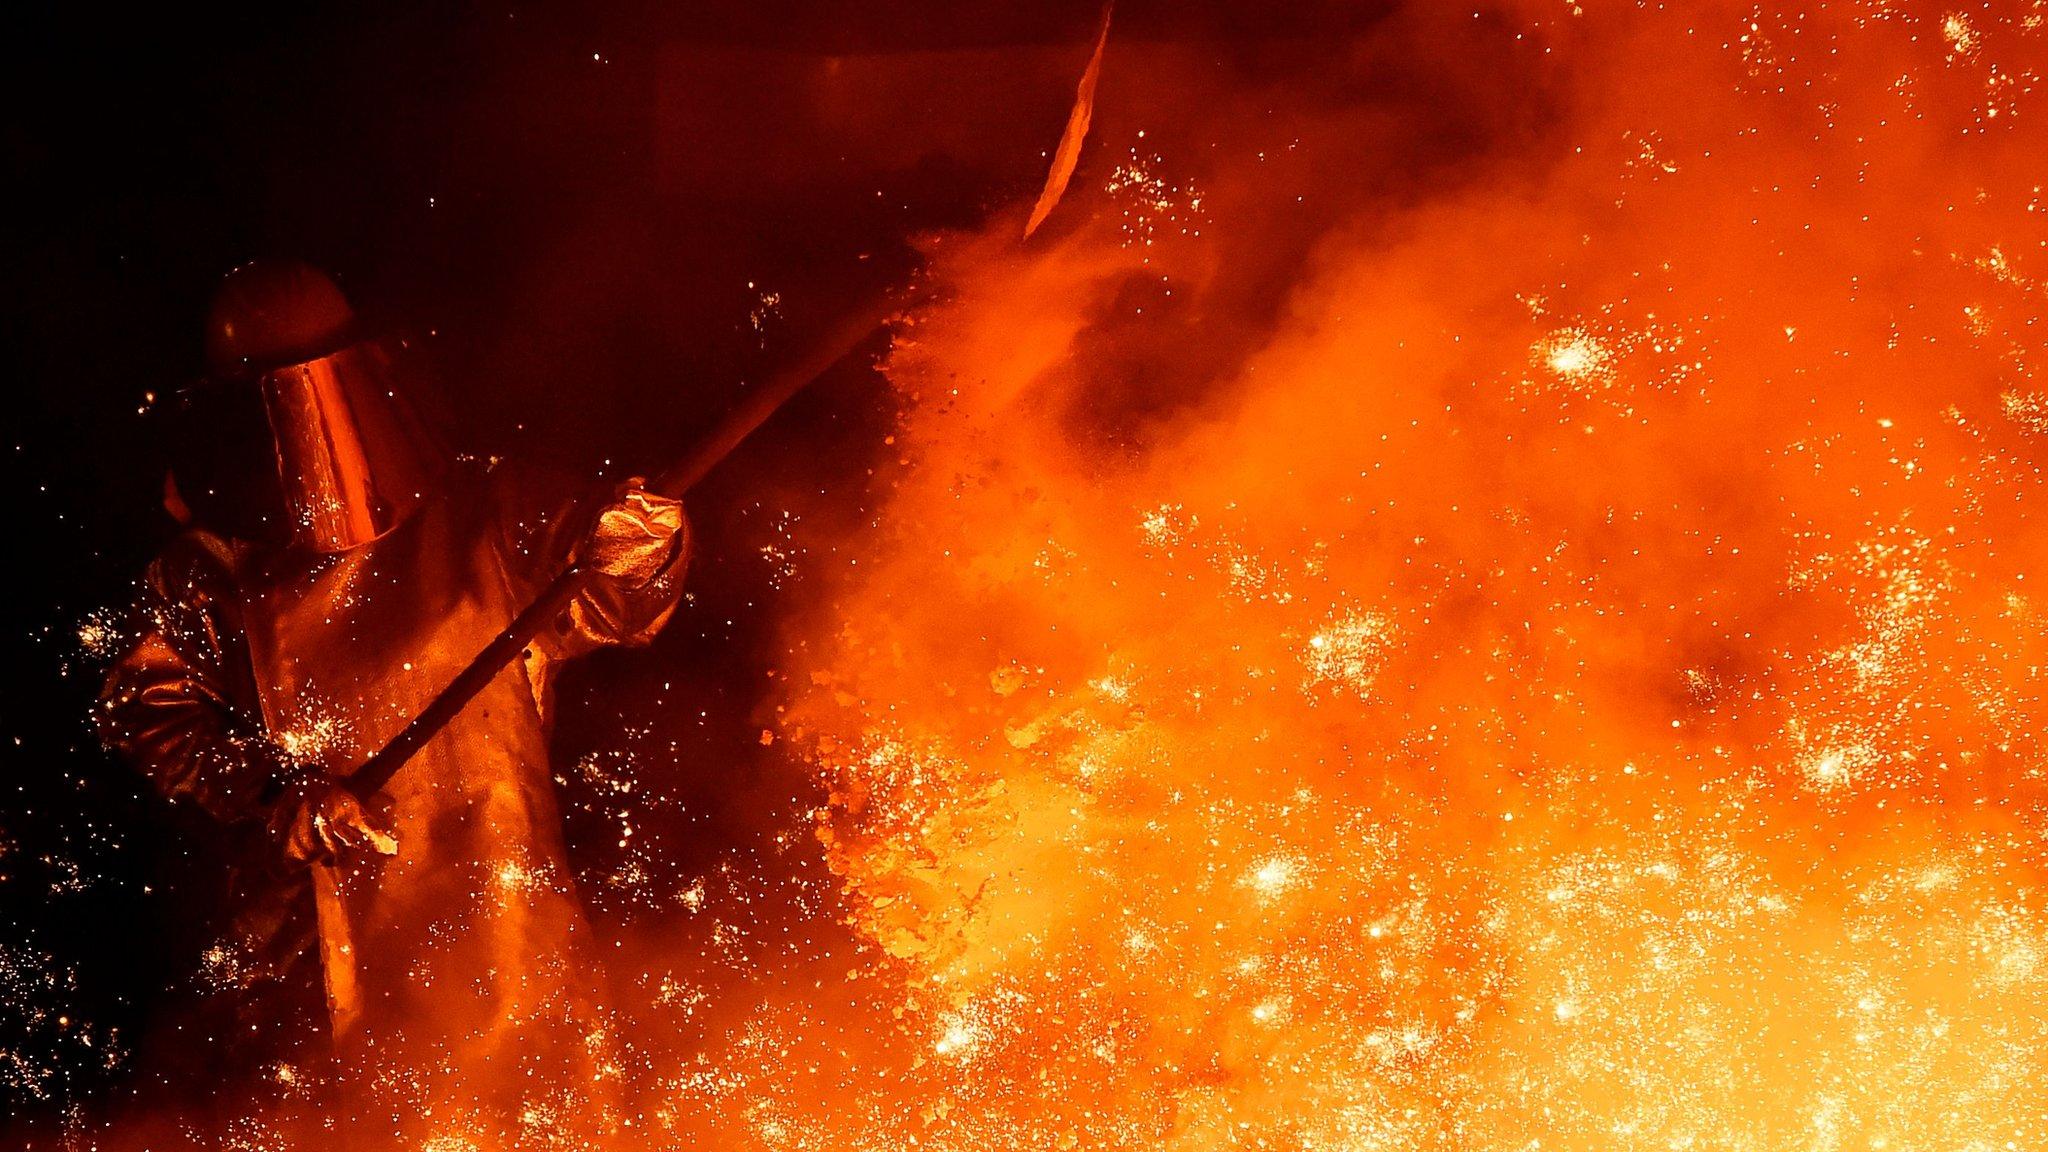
(635, 537)
(321, 820)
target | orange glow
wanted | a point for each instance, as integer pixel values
(1565, 675)
(1574, 680)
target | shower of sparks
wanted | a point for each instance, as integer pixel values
(1578, 358)
(764, 314)
(100, 635)
(2028, 410)
(1961, 35)
(783, 552)
(1153, 208)
(314, 738)
(1349, 653)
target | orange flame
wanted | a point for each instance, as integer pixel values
(1568, 680)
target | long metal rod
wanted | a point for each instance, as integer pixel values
(747, 416)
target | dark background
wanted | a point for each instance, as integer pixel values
(583, 208)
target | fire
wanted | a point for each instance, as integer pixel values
(1607, 722)
(1511, 631)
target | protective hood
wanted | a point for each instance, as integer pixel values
(345, 456)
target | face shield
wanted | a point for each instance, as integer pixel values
(306, 435)
(354, 456)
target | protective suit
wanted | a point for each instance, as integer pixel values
(449, 938)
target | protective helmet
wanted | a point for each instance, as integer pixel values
(353, 456)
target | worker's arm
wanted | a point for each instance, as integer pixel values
(178, 705)
(634, 544)
(636, 549)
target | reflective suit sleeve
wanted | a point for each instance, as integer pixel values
(636, 543)
(637, 548)
(177, 704)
